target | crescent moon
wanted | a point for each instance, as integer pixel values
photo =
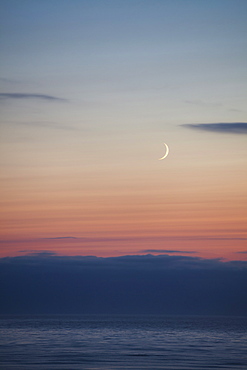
(167, 152)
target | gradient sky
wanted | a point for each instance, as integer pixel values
(90, 91)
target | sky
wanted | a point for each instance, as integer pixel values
(89, 93)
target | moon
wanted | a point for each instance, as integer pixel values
(167, 152)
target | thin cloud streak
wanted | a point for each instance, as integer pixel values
(228, 128)
(61, 237)
(4, 96)
(39, 253)
(202, 103)
(126, 239)
(9, 81)
(48, 125)
(165, 251)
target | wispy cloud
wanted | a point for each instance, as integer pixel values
(47, 124)
(165, 251)
(129, 239)
(30, 96)
(39, 253)
(9, 81)
(202, 103)
(231, 128)
(61, 237)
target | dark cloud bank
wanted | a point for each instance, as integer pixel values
(48, 284)
(232, 128)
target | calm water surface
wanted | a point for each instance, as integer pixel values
(122, 342)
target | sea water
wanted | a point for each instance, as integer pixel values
(122, 342)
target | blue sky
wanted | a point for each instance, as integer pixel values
(178, 51)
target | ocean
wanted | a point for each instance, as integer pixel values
(101, 342)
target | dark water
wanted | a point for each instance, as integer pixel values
(122, 342)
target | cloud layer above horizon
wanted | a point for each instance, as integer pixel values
(50, 284)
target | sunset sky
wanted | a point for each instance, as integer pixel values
(89, 93)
